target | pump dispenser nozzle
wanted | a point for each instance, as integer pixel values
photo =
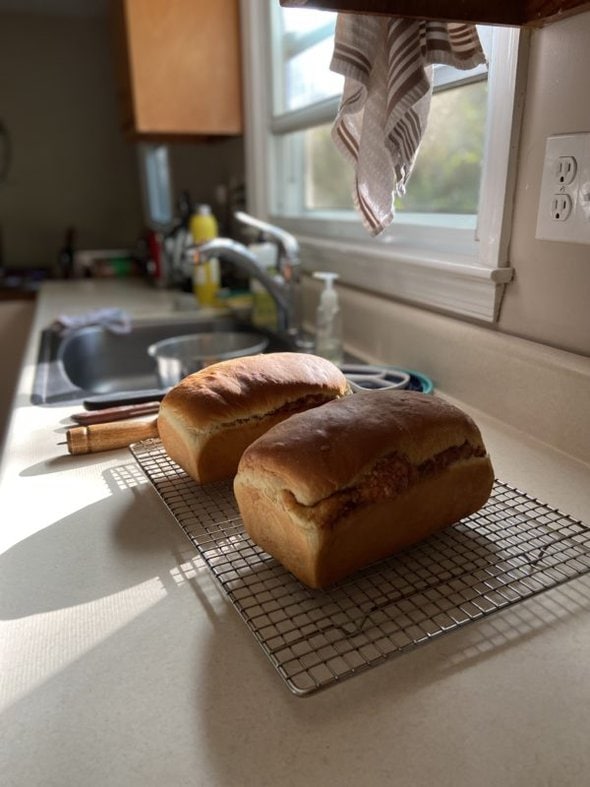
(328, 340)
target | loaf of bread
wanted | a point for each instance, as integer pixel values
(208, 419)
(349, 483)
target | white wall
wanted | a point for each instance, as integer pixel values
(549, 300)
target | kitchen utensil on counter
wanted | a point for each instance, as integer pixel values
(375, 384)
(183, 355)
(367, 375)
(418, 382)
(123, 398)
(107, 436)
(120, 413)
(362, 370)
(380, 379)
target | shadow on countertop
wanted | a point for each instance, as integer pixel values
(64, 565)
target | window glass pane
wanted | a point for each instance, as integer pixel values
(304, 42)
(299, 21)
(447, 172)
(328, 177)
(310, 173)
(446, 177)
(156, 183)
(308, 78)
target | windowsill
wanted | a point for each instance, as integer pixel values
(443, 273)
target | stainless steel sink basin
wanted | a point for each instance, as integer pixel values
(92, 361)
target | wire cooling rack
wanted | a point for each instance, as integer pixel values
(514, 548)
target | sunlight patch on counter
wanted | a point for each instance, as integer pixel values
(38, 647)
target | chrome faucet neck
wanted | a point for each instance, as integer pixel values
(240, 256)
(284, 289)
(287, 243)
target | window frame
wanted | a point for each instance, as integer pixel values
(462, 271)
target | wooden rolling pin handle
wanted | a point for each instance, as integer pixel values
(104, 437)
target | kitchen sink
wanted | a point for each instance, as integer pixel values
(93, 362)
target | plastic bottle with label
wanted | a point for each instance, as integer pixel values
(264, 307)
(206, 275)
(328, 339)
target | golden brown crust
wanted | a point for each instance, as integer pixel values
(210, 417)
(253, 385)
(320, 556)
(312, 491)
(326, 449)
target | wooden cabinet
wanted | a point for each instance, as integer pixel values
(179, 67)
(519, 13)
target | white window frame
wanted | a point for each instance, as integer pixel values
(462, 271)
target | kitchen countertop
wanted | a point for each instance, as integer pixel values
(124, 664)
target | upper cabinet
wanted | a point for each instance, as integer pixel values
(178, 67)
(519, 13)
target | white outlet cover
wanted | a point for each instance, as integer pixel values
(576, 228)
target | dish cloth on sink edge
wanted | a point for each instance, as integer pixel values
(115, 320)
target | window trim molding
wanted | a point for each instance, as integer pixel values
(508, 76)
(467, 278)
(448, 282)
(255, 35)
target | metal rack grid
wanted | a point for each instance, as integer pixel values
(514, 548)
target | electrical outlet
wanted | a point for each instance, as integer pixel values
(564, 201)
(561, 207)
(565, 170)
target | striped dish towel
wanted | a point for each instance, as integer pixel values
(387, 65)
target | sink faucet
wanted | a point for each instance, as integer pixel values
(285, 290)
(289, 262)
(240, 256)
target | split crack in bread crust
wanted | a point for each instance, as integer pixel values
(336, 488)
(208, 419)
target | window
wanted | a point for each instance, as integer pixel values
(156, 188)
(447, 247)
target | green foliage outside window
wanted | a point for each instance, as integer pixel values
(447, 173)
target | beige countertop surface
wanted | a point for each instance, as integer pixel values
(123, 663)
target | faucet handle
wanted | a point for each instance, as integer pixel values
(288, 242)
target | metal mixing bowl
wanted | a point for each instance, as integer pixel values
(183, 355)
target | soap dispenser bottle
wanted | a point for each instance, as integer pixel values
(328, 338)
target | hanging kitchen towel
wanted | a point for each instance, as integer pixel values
(387, 65)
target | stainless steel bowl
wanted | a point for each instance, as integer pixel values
(183, 355)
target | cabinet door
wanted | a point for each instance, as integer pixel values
(182, 59)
